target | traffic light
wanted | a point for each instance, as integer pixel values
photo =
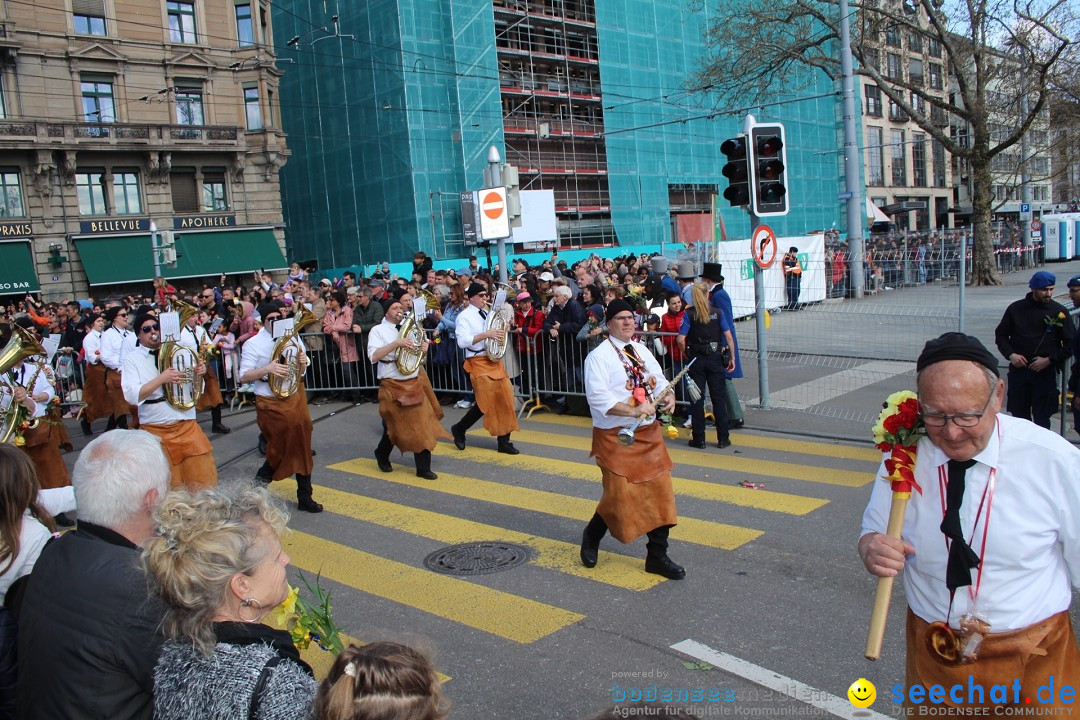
(737, 171)
(769, 170)
(512, 183)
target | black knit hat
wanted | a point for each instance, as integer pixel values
(267, 308)
(956, 346)
(615, 307)
(475, 289)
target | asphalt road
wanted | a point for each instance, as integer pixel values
(774, 606)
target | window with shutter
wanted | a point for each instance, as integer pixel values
(185, 197)
(88, 16)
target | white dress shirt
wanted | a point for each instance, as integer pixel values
(21, 376)
(605, 382)
(255, 353)
(468, 325)
(115, 346)
(91, 345)
(380, 336)
(193, 338)
(1032, 551)
(140, 367)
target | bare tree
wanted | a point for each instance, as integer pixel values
(1001, 57)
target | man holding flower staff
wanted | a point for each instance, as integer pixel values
(622, 379)
(989, 541)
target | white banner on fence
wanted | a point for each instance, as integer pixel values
(739, 269)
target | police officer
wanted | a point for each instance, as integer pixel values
(706, 336)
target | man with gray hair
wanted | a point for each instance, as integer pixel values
(990, 543)
(88, 632)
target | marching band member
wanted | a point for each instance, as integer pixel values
(410, 417)
(194, 336)
(95, 394)
(116, 342)
(27, 385)
(189, 451)
(620, 377)
(491, 384)
(285, 422)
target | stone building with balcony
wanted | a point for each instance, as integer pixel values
(119, 118)
(904, 166)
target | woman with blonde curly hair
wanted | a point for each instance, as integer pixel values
(218, 564)
(381, 681)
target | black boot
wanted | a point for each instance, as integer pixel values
(590, 540)
(121, 423)
(111, 425)
(382, 452)
(303, 495)
(459, 437)
(657, 560)
(265, 474)
(507, 447)
(262, 444)
(423, 465)
(215, 422)
(86, 429)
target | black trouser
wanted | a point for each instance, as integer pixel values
(792, 284)
(1032, 395)
(655, 547)
(382, 451)
(471, 416)
(708, 373)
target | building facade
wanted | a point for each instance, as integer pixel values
(391, 108)
(123, 116)
(903, 163)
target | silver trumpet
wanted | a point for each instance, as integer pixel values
(626, 435)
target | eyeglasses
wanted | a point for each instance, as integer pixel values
(121, 314)
(623, 318)
(207, 297)
(149, 328)
(964, 420)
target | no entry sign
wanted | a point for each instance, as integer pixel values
(494, 220)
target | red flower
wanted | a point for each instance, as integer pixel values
(892, 423)
(908, 412)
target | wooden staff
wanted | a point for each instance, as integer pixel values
(901, 467)
(880, 613)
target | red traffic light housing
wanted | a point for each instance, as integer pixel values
(737, 171)
(769, 168)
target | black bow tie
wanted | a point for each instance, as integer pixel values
(961, 557)
(153, 354)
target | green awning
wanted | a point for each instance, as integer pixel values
(116, 259)
(17, 272)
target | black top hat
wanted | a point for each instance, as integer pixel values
(713, 271)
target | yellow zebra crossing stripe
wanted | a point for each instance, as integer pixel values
(613, 569)
(493, 611)
(703, 490)
(714, 461)
(749, 440)
(691, 530)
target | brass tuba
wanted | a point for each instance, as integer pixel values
(288, 351)
(185, 394)
(496, 320)
(19, 348)
(409, 361)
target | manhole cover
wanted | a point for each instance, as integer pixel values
(478, 558)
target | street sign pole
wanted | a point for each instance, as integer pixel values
(759, 292)
(495, 171)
